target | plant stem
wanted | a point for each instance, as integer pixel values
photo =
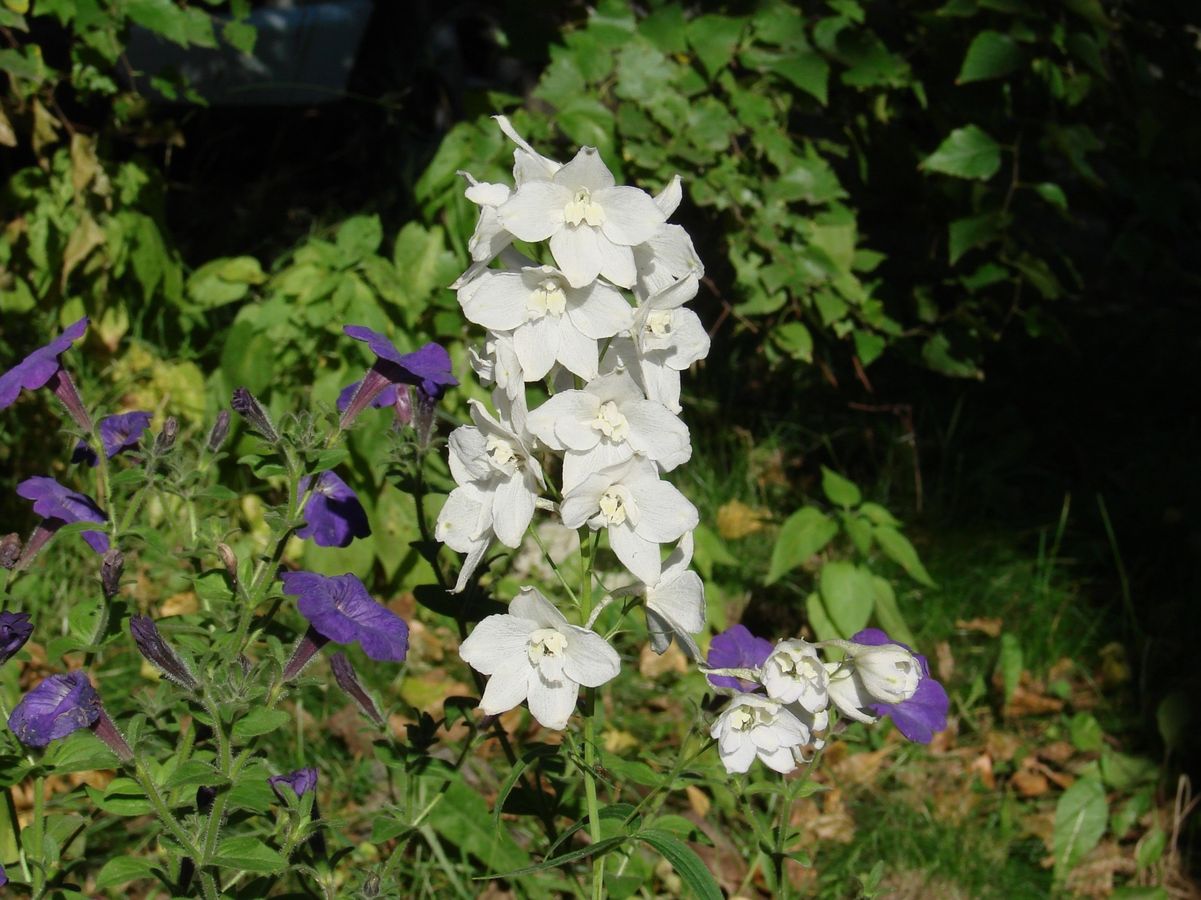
(594, 825)
(785, 797)
(39, 835)
(161, 809)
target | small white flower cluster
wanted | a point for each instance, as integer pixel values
(611, 363)
(793, 718)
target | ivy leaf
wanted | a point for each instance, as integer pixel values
(968, 152)
(991, 55)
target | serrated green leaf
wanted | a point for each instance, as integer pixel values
(990, 55)
(970, 232)
(838, 490)
(967, 152)
(714, 38)
(358, 236)
(683, 859)
(898, 548)
(803, 534)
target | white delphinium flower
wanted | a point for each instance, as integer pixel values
(593, 224)
(794, 673)
(675, 604)
(758, 726)
(549, 319)
(498, 483)
(669, 254)
(639, 510)
(606, 423)
(497, 364)
(845, 690)
(885, 673)
(533, 653)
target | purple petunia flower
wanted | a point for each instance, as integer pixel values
(15, 629)
(334, 516)
(925, 713)
(428, 368)
(302, 781)
(117, 433)
(40, 366)
(737, 648)
(58, 706)
(386, 397)
(339, 609)
(63, 506)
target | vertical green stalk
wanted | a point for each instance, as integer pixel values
(785, 798)
(39, 835)
(594, 828)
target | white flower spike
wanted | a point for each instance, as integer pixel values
(752, 726)
(533, 653)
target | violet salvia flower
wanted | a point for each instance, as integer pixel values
(117, 433)
(333, 514)
(339, 609)
(925, 713)
(60, 505)
(15, 629)
(249, 408)
(737, 648)
(161, 655)
(42, 367)
(348, 681)
(302, 781)
(58, 706)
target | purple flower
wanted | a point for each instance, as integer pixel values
(161, 655)
(737, 648)
(302, 781)
(428, 367)
(117, 433)
(348, 681)
(40, 366)
(3, 877)
(61, 505)
(386, 398)
(15, 629)
(925, 713)
(334, 516)
(58, 706)
(340, 609)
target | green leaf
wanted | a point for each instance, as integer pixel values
(1080, 818)
(683, 859)
(1173, 716)
(463, 819)
(358, 237)
(249, 854)
(795, 340)
(849, 595)
(1150, 848)
(1053, 194)
(1086, 733)
(807, 71)
(878, 515)
(967, 152)
(714, 39)
(889, 614)
(972, 231)
(259, 721)
(600, 847)
(195, 773)
(122, 797)
(123, 869)
(1009, 663)
(990, 55)
(819, 620)
(1123, 772)
(936, 353)
(82, 751)
(803, 534)
(838, 490)
(898, 548)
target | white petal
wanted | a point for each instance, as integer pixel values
(690, 341)
(471, 562)
(495, 641)
(739, 760)
(661, 380)
(487, 193)
(537, 344)
(496, 300)
(583, 500)
(631, 215)
(552, 704)
(682, 600)
(616, 262)
(578, 354)
(535, 212)
(636, 553)
(486, 242)
(467, 451)
(586, 170)
(847, 694)
(576, 249)
(660, 631)
(677, 561)
(656, 432)
(668, 199)
(562, 421)
(512, 509)
(664, 513)
(508, 685)
(528, 163)
(531, 604)
(577, 466)
(458, 521)
(589, 659)
(780, 759)
(599, 313)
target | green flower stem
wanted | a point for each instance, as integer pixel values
(587, 548)
(208, 884)
(39, 835)
(146, 782)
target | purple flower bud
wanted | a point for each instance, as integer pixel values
(737, 648)
(105, 729)
(306, 648)
(333, 514)
(925, 713)
(340, 609)
(10, 550)
(58, 504)
(249, 408)
(161, 654)
(117, 434)
(219, 432)
(110, 572)
(166, 438)
(382, 400)
(15, 629)
(345, 675)
(302, 781)
(58, 706)
(40, 368)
